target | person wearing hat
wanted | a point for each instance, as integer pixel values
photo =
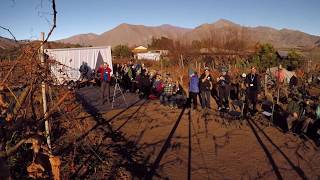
(253, 85)
(205, 88)
(105, 78)
(223, 90)
(193, 89)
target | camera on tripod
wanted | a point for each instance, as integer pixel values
(117, 87)
(117, 76)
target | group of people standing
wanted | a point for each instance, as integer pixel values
(206, 87)
(136, 78)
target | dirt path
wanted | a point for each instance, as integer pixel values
(180, 144)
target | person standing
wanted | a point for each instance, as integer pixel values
(253, 85)
(205, 89)
(223, 90)
(105, 78)
(193, 89)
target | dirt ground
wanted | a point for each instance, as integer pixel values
(153, 141)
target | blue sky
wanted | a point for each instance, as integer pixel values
(27, 18)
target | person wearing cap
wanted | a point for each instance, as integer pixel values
(193, 89)
(205, 89)
(253, 85)
(105, 78)
(223, 90)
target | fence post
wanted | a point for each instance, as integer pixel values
(44, 95)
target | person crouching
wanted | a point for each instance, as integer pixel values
(165, 97)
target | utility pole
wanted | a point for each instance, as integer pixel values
(44, 95)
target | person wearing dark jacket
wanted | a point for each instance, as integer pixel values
(253, 85)
(84, 70)
(145, 85)
(205, 88)
(223, 90)
(105, 78)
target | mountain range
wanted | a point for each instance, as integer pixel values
(128, 34)
(135, 35)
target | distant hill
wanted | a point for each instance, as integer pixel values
(6, 43)
(284, 38)
(10, 49)
(81, 39)
(141, 35)
(129, 34)
(318, 43)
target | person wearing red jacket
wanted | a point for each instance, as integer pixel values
(105, 78)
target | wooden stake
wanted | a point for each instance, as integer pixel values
(44, 95)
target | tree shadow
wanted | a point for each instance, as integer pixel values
(130, 155)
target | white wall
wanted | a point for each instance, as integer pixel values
(69, 61)
(149, 56)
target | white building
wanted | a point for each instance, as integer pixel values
(150, 55)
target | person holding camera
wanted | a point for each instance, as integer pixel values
(223, 90)
(205, 88)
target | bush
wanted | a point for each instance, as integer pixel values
(122, 51)
(294, 60)
(264, 57)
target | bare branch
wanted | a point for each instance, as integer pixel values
(54, 21)
(9, 32)
(54, 108)
(8, 74)
(27, 139)
(10, 151)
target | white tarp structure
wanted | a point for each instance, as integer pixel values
(70, 59)
(274, 70)
(149, 56)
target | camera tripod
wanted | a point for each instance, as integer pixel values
(117, 88)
